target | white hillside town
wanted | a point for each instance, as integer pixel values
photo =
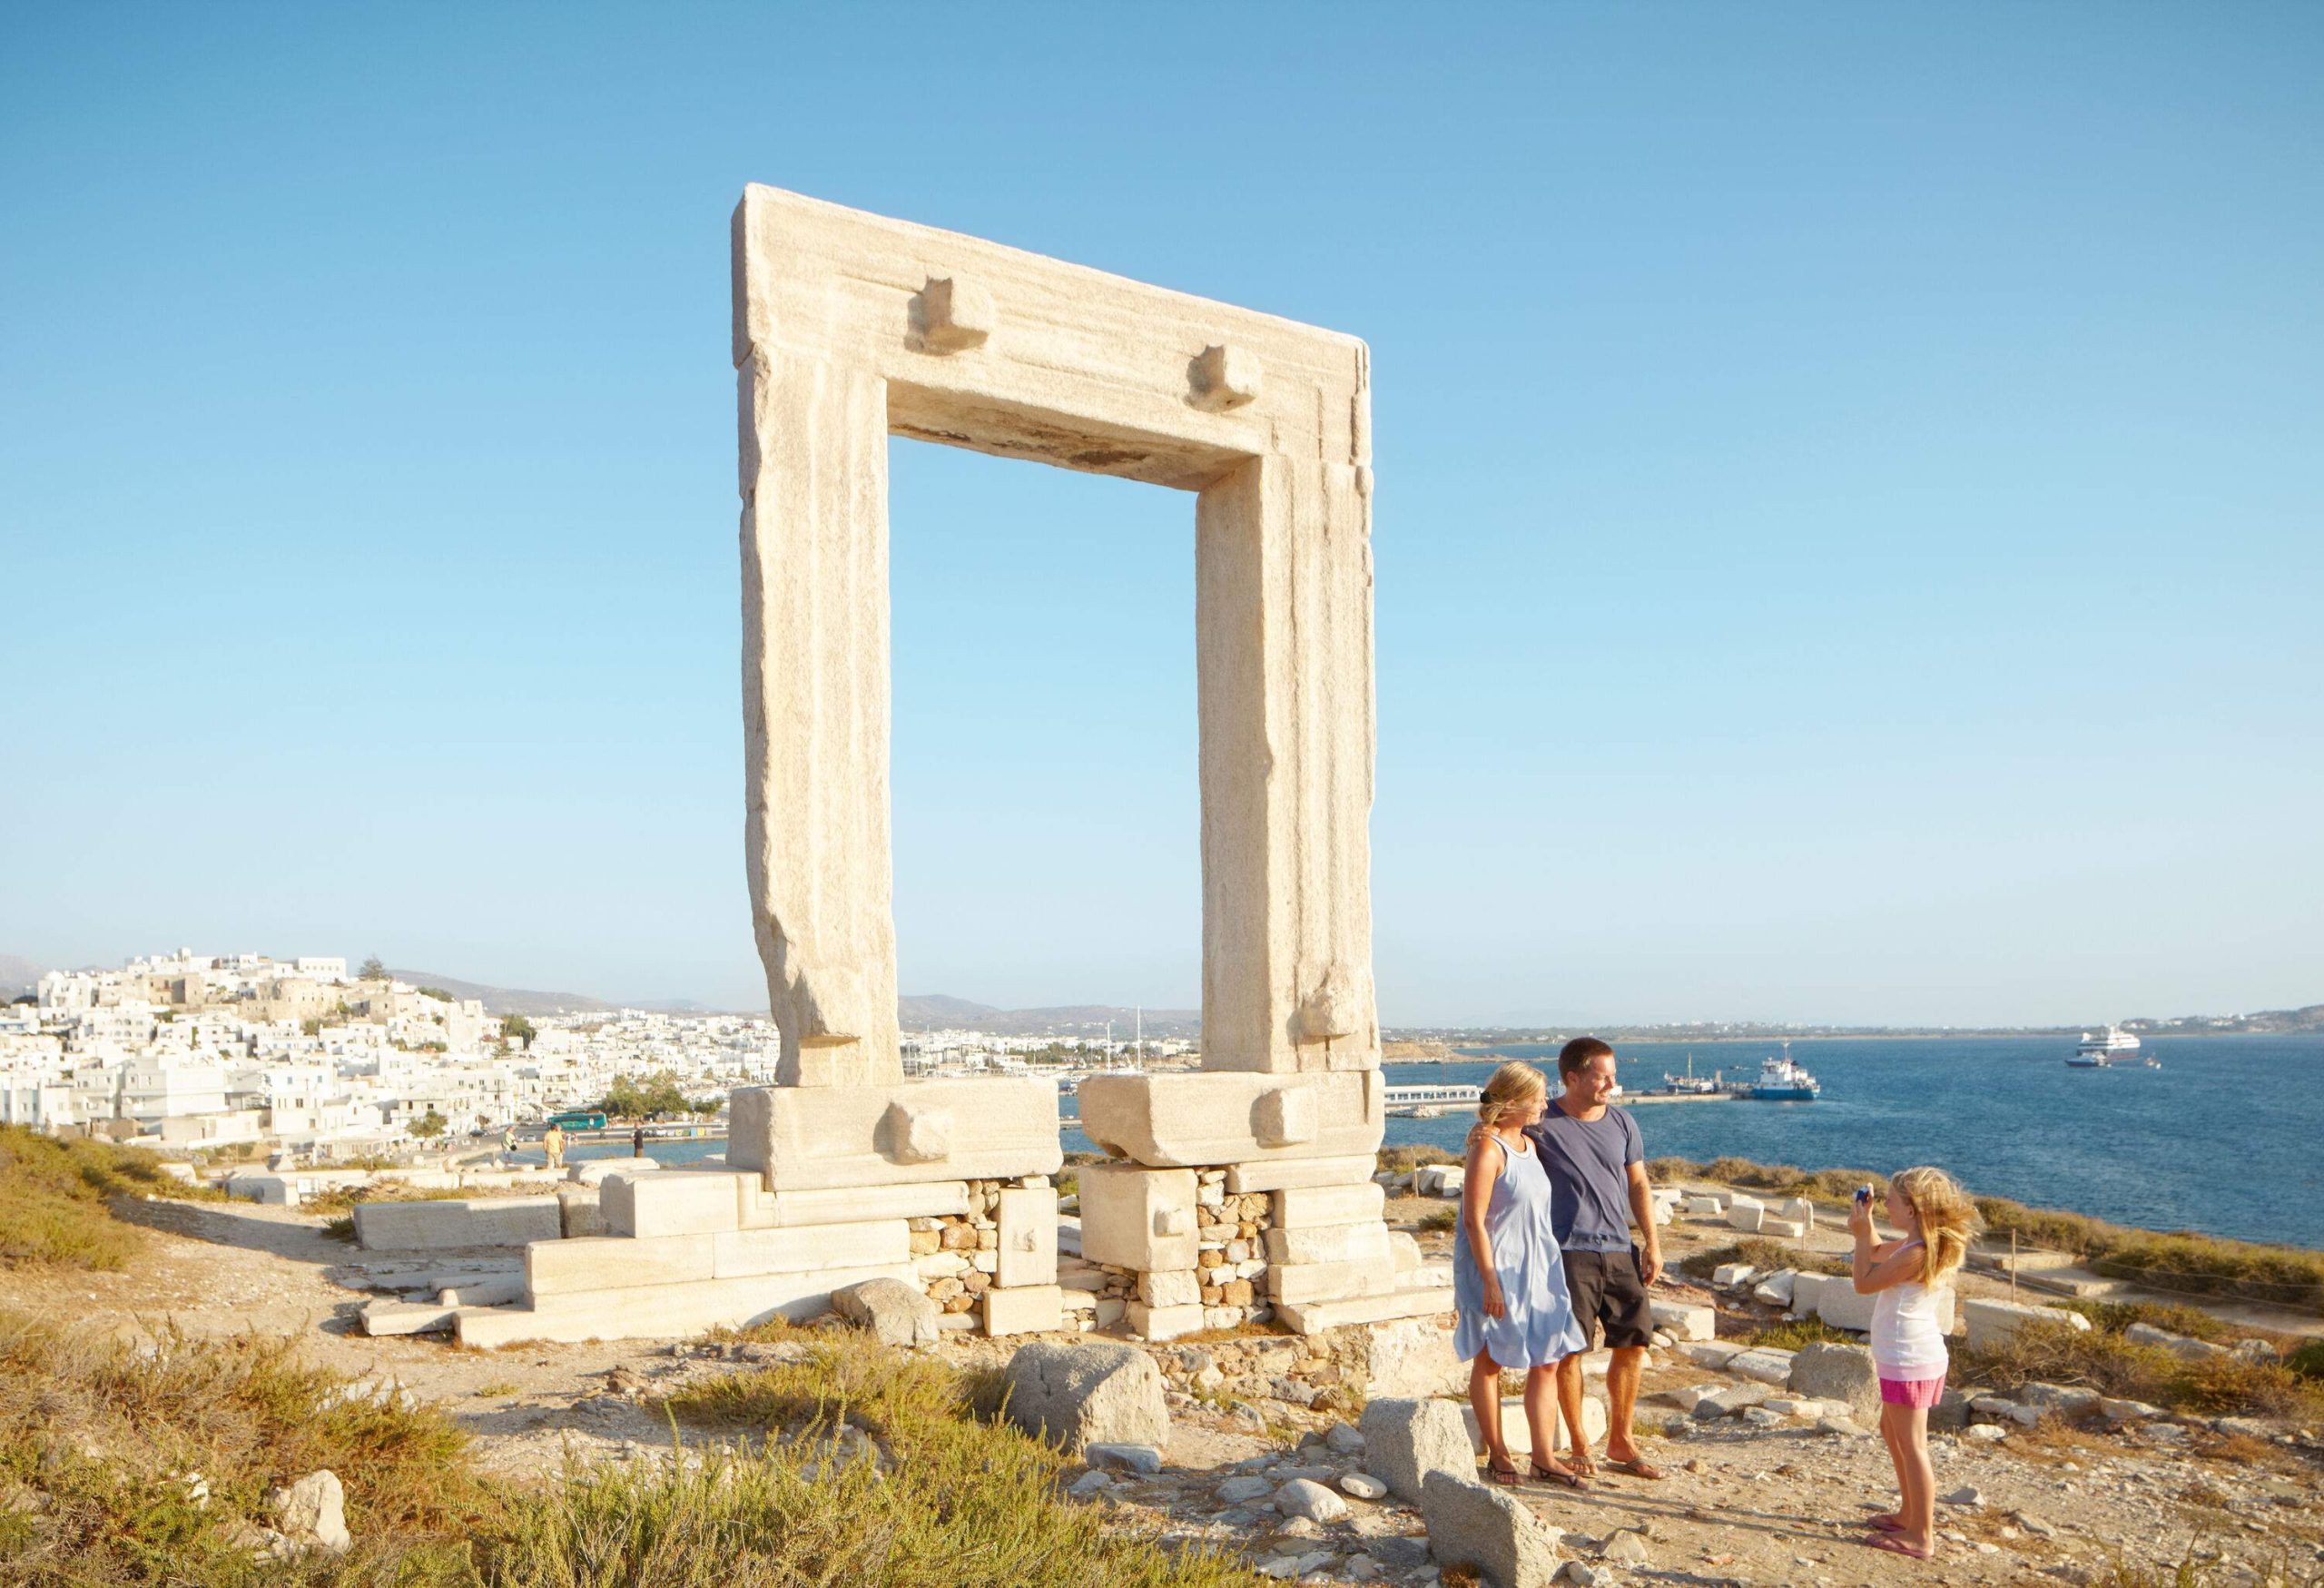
(302, 1056)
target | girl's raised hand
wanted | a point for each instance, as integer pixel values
(1860, 1218)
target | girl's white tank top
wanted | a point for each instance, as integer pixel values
(1906, 1341)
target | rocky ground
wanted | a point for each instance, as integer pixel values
(1263, 1426)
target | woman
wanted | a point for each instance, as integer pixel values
(1508, 1277)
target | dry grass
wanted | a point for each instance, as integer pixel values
(1829, 1185)
(1767, 1256)
(55, 1199)
(98, 1441)
(2103, 1360)
(2190, 1264)
(1794, 1333)
(1403, 1160)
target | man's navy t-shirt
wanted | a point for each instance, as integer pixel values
(1588, 1162)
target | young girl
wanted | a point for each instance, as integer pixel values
(1907, 1346)
(1508, 1276)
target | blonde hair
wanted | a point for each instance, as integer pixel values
(1512, 1086)
(1948, 1218)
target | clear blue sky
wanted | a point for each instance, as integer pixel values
(1850, 517)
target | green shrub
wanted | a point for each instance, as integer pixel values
(1794, 1333)
(55, 1197)
(2307, 1361)
(1440, 1218)
(2105, 1361)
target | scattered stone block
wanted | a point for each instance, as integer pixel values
(496, 1291)
(1685, 1320)
(405, 1317)
(1334, 1243)
(1709, 1353)
(1314, 1317)
(1746, 1214)
(1364, 1485)
(1775, 1229)
(1028, 1248)
(1162, 1322)
(616, 1263)
(1306, 1497)
(1404, 1440)
(1289, 1173)
(579, 1214)
(1726, 1400)
(2185, 1345)
(1440, 1179)
(1729, 1275)
(311, 1513)
(1138, 1218)
(1026, 1310)
(674, 1202)
(1137, 1458)
(1764, 1365)
(1703, 1208)
(1309, 1207)
(2067, 1400)
(1076, 1396)
(2127, 1411)
(442, 1226)
(856, 1204)
(1996, 1323)
(1843, 1374)
(896, 1314)
(1775, 1290)
(1490, 1531)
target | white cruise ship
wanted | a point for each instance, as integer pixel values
(2110, 1045)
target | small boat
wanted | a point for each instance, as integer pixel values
(2110, 1045)
(1689, 1083)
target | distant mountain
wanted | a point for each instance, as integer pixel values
(2304, 1020)
(19, 975)
(510, 999)
(939, 1011)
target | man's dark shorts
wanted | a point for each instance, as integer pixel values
(1610, 1288)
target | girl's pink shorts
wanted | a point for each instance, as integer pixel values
(1912, 1392)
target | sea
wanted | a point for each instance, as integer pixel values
(2227, 1138)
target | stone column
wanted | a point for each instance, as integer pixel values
(815, 703)
(1283, 593)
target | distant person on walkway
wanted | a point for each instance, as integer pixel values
(553, 1144)
(1508, 1282)
(637, 1142)
(507, 1144)
(1907, 1343)
(1596, 1164)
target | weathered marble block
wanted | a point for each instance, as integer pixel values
(1234, 1116)
(1285, 1173)
(1027, 1225)
(1309, 1207)
(1140, 1219)
(912, 1132)
(688, 1202)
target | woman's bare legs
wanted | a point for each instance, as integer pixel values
(1541, 1417)
(1485, 1399)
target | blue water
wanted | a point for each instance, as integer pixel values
(2223, 1138)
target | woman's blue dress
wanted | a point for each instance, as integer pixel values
(1537, 1327)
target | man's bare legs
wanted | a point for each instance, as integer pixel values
(1569, 1404)
(1622, 1375)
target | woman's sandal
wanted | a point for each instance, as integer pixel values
(1506, 1477)
(1568, 1479)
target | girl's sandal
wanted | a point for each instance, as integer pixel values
(1895, 1547)
(1884, 1523)
(1568, 1479)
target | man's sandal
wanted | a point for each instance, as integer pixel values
(1636, 1466)
(1564, 1476)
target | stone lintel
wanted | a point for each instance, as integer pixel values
(1285, 1173)
(914, 1132)
(1234, 1116)
(1313, 1318)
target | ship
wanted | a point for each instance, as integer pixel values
(1690, 1083)
(1780, 1081)
(2110, 1045)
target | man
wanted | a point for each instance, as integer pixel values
(1598, 1187)
(553, 1145)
